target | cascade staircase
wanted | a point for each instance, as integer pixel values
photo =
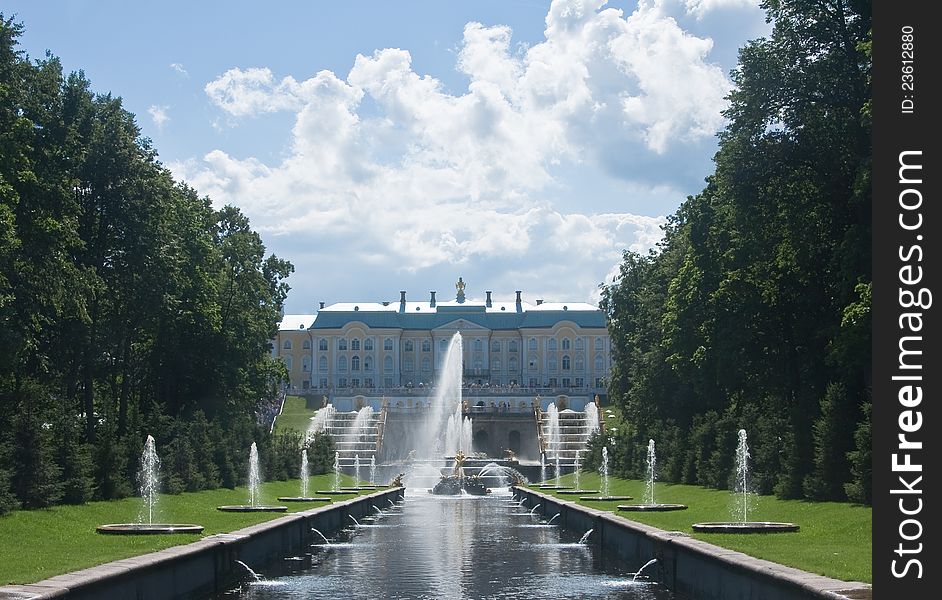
(351, 441)
(573, 437)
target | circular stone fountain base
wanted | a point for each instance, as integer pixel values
(651, 507)
(574, 492)
(250, 508)
(148, 528)
(606, 498)
(745, 527)
(302, 499)
(337, 492)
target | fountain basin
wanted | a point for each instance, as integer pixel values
(337, 492)
(606, 498)
(574, 492)
(554, 487)
(252, 508)
(302, 499)
(148, 528)
(361, 488)
(658, 507)
(744, 527)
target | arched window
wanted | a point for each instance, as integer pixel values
(579, 343)
(306, 345)
(368, 344)
(426, 345)
(409, 346)
(355, 363)
(342, 344)
(287, 345)
(532, 344)
(531, 362)
(388, 344)
(495, 364)
(426, 364)
(478, 344)
(598, 343)
(551, 364)
(322, 364)
(566, 362)
(289, 362)
(367, 363)
(355, 344)
(478, 366)
(322, 344)
(580, 363)
(566, 344)
(512, 346)
(306, 363)
(512, 364)
(551, 345)
(388, 364)
(495, 346)
(598, 364)
(342, 364)
(407, 364)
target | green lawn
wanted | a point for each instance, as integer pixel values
(294, 416)
(834, 540)
(36, 544)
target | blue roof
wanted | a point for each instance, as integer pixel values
(431, 319)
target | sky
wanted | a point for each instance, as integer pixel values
(383, 146)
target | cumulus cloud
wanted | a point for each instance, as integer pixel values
(430, 178)
(158, 115)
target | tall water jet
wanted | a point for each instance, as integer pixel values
(356, 469)
(742, 500)
(254, 486)
(431, 442)
(254, 476)
(320, 420)
(603, 469)
(304, 473)
(543, 467)
(575, 474)
(557, 470)
(591, 419)
(652, 465)
(457, 433)
(149, 481)
(336, 470)
(149, 486)
(372, 470)
(552, 430)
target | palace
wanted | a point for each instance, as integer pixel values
(372, 349)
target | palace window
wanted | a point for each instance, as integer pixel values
(367, 363)
(368, 382)
(566, 364)
(426, 365)
(598, 364)
(343, 382)
(341, 344)
(551, 345)
(322, 344)
(478, 344)
(368, 344)
(598, 343)
(426, 345)
(567, 382)
(306, 345)
(342, 364)
(388, 344)
(580, 382)
(532, 364)
(409, 346)
(355, 363)
(306, 364)
(495, 346)
(323, 382)
(407, 365)
(355, 382)
(289, 362)
(512, 346)
(286, 345)
(580, 363)
(551, 364)
(512, 364)
(355, 344)
(532, 344)
(388, 364)
(566, 344)
(579, 343)
(495, 365)
(532, 382)
(322, 364)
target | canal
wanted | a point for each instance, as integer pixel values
(451, 547)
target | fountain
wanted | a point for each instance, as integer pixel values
(643, 567)
(743, 498)
(458, 482)
(320, 420)
(304, 485)
(337, 491)
(576, 479)
(255, 481)
(431, 442)
(585, 536)
(149, 480)
(603, 473)
(458, 433)
(255, 576)
(649, 504)
(372, 470)
(542, 467)
(553, 518)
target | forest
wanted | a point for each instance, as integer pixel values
(128, 305)
(753, 312)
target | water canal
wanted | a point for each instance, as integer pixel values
(452, 547)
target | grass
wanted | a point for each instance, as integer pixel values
(834, 539)
(294, 415)
(37, 544)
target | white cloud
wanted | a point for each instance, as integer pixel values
(428, 179)
(158, 115)
(179, 69)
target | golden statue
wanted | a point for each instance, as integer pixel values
(460, 285)
(397, 482)
(459, 462)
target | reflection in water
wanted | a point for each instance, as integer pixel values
(454, 547)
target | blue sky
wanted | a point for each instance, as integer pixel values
(384, 145)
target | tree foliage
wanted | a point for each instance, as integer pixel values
(128, 305)
(753, 312)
